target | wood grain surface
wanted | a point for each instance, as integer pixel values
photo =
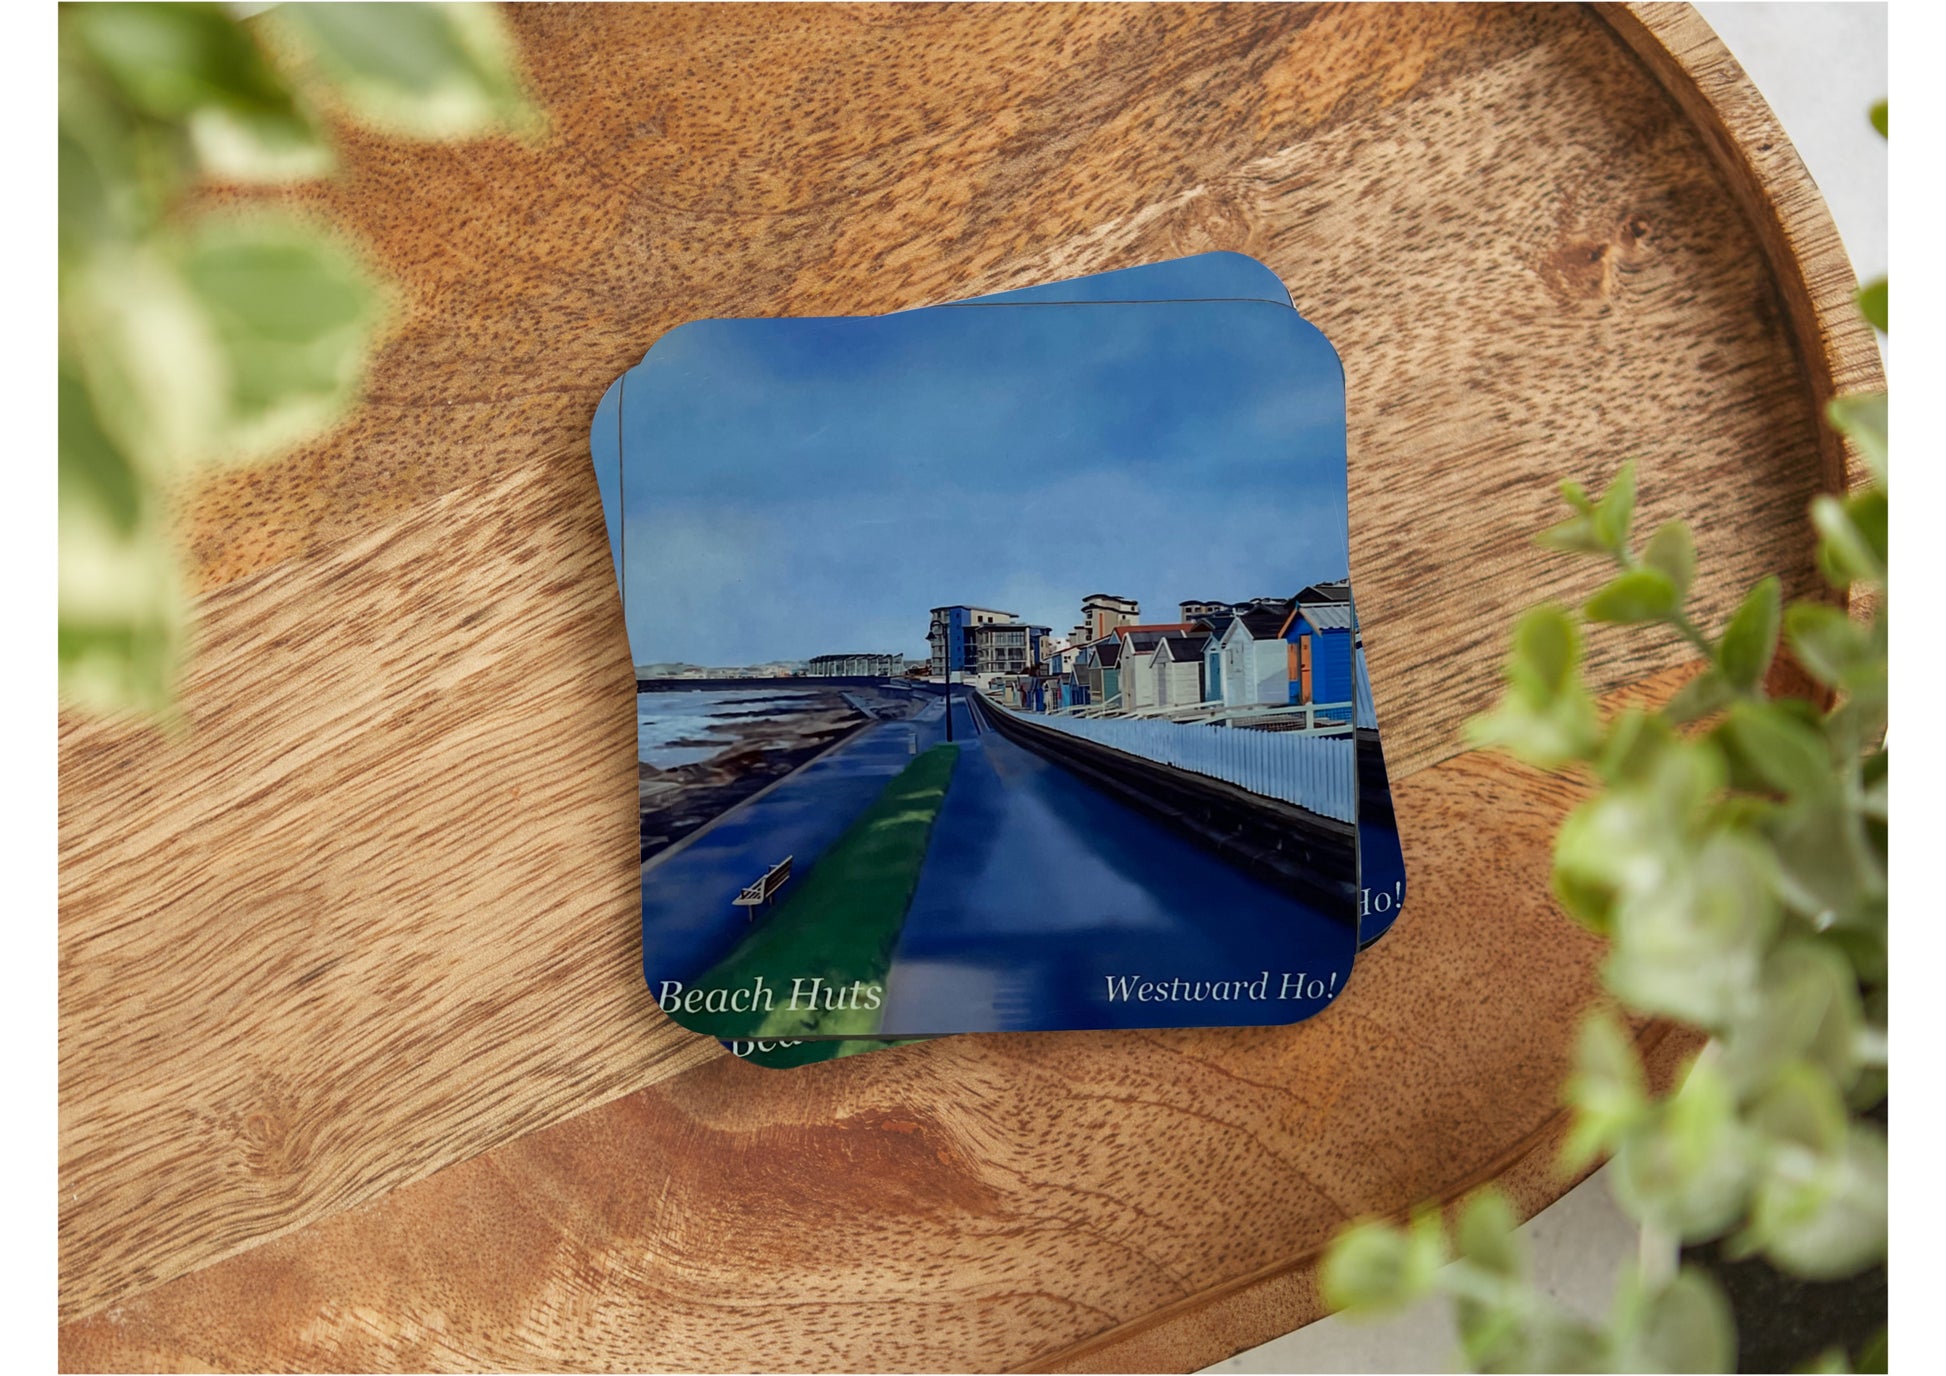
(357, 1068)
(1779, 201)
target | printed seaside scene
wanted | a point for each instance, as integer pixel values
(905, 768)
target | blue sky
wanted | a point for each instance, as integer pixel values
(811, 486)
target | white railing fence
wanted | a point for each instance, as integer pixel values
(1314, 772)
(1362, 690)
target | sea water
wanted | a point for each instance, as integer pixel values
(675, 727)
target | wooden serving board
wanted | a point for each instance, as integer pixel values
(357, 1065)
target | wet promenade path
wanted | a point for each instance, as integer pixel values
(688, 922)
(1037, 887)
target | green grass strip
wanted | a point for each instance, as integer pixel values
(839, 926)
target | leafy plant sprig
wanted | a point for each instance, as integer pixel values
(189, 339)
(1734, 856)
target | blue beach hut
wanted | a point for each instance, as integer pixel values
(1318, 633)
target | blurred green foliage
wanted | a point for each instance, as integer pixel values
(1734, 857)
(196, 337)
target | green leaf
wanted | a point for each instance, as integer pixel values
(1560, 1345)
(1878, 119)
(192, 66)
(1707, 693)
(148, 355)
(1824, 874)
(1774, 741)
(1488, 1235)
(1828, 643)
(1639, 595)
(170, 60)
(233, 146)
(435, 71)
(1864, 418)
(98, 196)
(1363, 1268)
(1606, 1091)
(1583, 881)
(1830, 1362)
(1636, 740)
(1426, 1233)
(92, 468)
(1822, 1215)
(1671, 551)
(1859, 722)
(279, 281)
(1802, 1107)
(1806, 712)
(1871, 303)
(1615, 511)
(120, 611)
(1373, 1267)
(1546, 654)
(1693, 917)
(1750, 640)
(1688, 1170)
(1864, 951)
(1492, 1338)
(1854, 537)
(1870, 516)
(1807, 1011)
(294, 315)
(1597, 527)
(1686, 1326)
(1532, 736)
(1576, 535)
(1875, 1001)
(119, 666)
(1584, 898)
(1547, 717)
(1549, 736)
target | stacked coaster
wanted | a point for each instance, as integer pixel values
(996, 666)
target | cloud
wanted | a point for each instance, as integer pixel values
(798, 487)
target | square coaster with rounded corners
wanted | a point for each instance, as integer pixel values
(984, 823)
(1207, 276)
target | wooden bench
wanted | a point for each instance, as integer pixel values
(759, 894)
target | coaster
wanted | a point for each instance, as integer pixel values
(844, 464)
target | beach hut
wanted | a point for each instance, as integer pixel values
(1179, 670)
(1318, 655)
(1255, 661)
(1139, 644)
(1215, 624)
(1105, 682)
(1138, 670)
